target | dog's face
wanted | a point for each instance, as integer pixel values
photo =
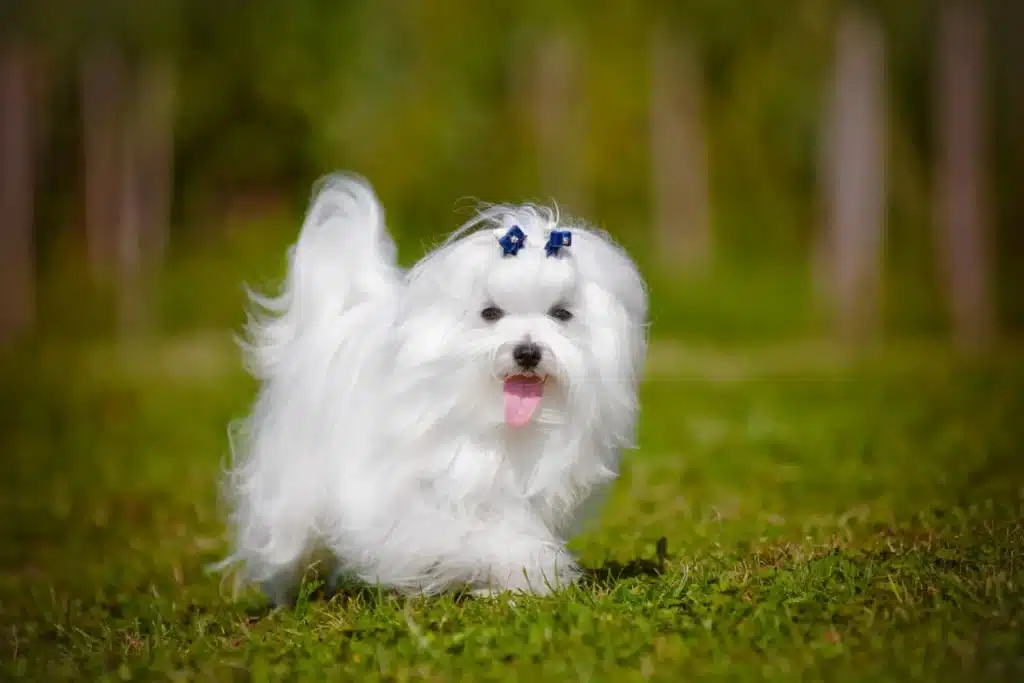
(525, 339)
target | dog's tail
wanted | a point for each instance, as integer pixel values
(280, 478)
(344, 256)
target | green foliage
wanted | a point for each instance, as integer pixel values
(850, 522)
(427, 99)
(825, 517)
(420, 96)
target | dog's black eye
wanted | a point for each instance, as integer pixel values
(560, 314)
(492, 314)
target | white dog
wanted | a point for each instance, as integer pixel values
(442, 428)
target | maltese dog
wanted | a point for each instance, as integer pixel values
(444, 428)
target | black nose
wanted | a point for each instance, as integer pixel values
(527, 355)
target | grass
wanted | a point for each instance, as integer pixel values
(793, 513)
(845, 521)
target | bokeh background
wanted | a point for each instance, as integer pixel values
(825, 197)
(781, 170)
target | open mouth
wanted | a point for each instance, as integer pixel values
(523, 393)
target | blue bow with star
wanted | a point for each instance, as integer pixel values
(515, 239)
(556, 240)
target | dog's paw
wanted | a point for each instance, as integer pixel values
(546, 572)
(493, 595)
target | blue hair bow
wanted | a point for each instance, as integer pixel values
(513, 241)
(556, 240)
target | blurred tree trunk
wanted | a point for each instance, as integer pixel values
(559, 117)
(104, 82)
(1013, 49)
(960, 207)
(144, 193)
(155, 134)
(18, 117)
(131, 290)
(678, 152)
(854, 161)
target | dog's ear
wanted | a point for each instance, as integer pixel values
(606, 264)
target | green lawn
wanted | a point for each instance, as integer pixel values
(840, 522)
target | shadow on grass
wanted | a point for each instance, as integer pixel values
(612, 572)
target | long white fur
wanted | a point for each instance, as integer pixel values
(378, 432)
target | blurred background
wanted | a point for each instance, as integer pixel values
(807, 185)
(786, 169)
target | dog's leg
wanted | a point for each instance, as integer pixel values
(432, 550)
(510, 560)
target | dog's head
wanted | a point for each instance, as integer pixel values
(520, 320)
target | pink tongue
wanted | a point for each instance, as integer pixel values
(522, 396)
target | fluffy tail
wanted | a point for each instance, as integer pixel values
(343, 256)
(279, 481)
